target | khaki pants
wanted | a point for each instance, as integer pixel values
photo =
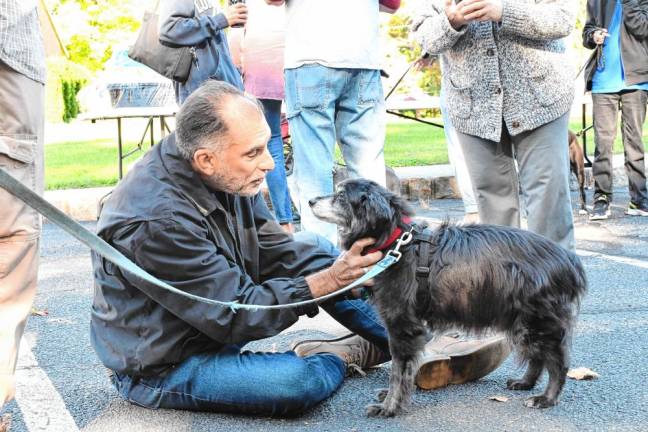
(21, 155)
(543, 161)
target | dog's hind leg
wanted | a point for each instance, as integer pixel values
(405, 347)
(556, 360)
(528, 381)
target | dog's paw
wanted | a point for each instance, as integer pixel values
(381, 394)
(582, 212)
(379, 410)
(539, 402)
(514, 384)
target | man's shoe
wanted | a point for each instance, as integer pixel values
(449, 360)
(601, 208)
(638, 209)
(357, 352)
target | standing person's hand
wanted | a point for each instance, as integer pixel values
(599, 36)
(456, 18)
(481, 10)
(236, 14)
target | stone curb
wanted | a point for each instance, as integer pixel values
(417, 184)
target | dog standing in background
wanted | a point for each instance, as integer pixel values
(479, 277)
(577, 164)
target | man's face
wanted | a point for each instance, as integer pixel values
(240, 163)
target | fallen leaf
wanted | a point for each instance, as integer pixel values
(582, 373)
(498, 398)
(39, 312)
(60, 321)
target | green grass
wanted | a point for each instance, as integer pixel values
(76, 164)
(412, 144)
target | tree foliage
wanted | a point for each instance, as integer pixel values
(91, 29)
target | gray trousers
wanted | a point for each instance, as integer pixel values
(543, 165)
(21, 155)
(606, 114)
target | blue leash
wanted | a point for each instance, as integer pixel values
(113, 255)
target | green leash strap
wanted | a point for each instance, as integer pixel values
(98, 245)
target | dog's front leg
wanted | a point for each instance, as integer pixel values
(405, 350)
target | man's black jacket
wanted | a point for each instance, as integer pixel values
(214, 245)
(634, 37)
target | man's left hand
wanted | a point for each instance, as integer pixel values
(481, 10)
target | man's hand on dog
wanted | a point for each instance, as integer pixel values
(346, 269)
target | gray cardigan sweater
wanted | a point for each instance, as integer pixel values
(514, 71)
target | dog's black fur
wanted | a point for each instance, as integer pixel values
(481, 277)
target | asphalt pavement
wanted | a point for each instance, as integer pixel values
(63, 386)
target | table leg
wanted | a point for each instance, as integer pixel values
(119, 145)
(151, 131)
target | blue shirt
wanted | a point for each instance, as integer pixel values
(611, 78)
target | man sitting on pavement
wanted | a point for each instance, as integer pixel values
(191, 214)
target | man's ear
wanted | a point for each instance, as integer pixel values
(204, 162)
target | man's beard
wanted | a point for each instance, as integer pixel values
(221, 184)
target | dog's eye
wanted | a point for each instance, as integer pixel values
(341, 196)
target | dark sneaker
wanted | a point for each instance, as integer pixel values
(356, 352)
(638, 209)
(450, 360)
(601, 208)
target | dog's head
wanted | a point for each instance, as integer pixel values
(362, 208)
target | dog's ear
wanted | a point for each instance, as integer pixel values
(400, 207)
(377, 208)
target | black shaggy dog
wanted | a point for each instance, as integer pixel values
(480, 277)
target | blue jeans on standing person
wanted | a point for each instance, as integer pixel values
(259, 383)
(276, 179)
(328, 105)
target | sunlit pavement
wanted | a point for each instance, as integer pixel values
(63, 387)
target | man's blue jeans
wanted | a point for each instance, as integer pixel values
(276, 179)
(244, 382)
(328, 105)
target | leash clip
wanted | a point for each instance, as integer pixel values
(404, 239)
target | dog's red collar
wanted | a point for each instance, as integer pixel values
(392, 238)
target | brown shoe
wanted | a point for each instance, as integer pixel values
(449, 360)
(356, 352)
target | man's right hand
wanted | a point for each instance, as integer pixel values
(599, 36)
(455, 17)
(275, 2)
(236, 14)
(346, 269)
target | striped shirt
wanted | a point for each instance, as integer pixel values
(21, 43)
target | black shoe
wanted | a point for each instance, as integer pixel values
(601, 208)
(638, 209)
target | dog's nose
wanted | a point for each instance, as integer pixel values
(311, 202)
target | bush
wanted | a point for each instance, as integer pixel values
(64, 80)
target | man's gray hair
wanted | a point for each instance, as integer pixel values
(200, 122)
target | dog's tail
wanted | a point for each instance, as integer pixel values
(579, 284)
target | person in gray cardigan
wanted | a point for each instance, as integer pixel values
(508, 87)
